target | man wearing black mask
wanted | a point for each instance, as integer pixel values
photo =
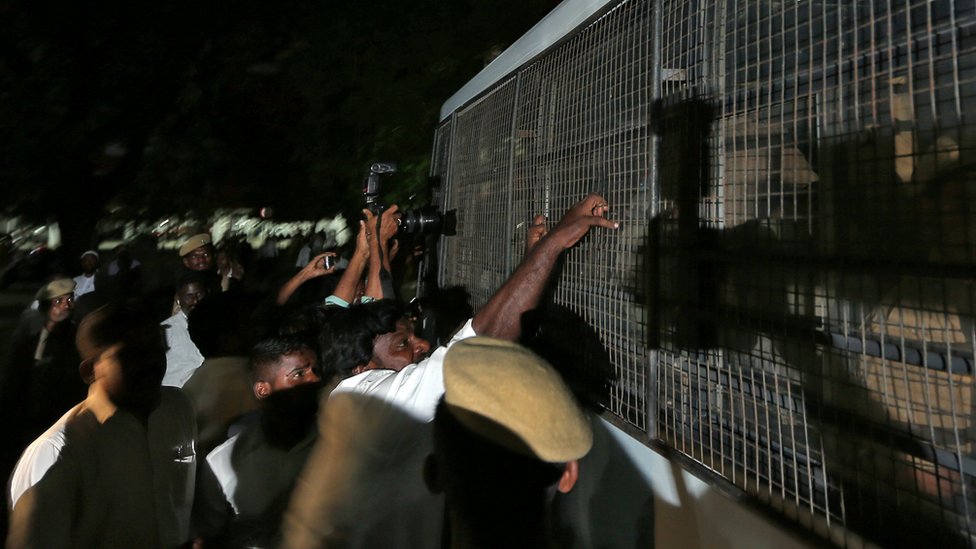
(247, 480)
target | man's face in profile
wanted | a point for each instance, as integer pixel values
(295, 369)
(397, 350)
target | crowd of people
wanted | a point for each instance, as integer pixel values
(220, 411)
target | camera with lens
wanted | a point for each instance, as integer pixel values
(419, 221)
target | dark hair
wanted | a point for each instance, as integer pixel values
(223, 325)
(237, 249)
(346, 338)
(306, 320)
(573, 347)
(501, 497)
(266, 355)
(142, 356)
(192, 277)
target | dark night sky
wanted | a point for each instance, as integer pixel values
(168, 107)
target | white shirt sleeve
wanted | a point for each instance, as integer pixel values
(220, 463)
(416, 389)
(38, 458)
(182, 358)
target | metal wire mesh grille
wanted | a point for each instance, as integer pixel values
(584, 125)
(440, 169)
(790, 299)
(481, 157)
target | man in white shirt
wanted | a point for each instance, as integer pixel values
(183, 357)
(394, 369)
(508, 435)
(85, 282)
(383, 362)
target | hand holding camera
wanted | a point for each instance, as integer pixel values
(389, 224)
(421, 221)
(320, 265)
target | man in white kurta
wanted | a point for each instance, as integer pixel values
(183, 357)
(85, 282)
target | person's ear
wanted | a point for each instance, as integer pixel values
(87, 370)
(432, 475)
(570, 476)
(262, 389)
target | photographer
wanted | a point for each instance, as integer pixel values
(349, 473)
(373, 253)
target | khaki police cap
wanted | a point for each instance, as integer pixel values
(55, 288)
(194, 242)
(512, 397)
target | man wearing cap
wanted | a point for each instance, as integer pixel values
(507, 436)
(41, 377)
(85, 282)
(197, 253)
(412, 390)
(118, 469)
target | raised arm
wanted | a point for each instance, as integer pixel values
(314, 269)
(378, 283)
(501, 316)
(346, 289)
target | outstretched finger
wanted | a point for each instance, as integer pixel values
(604, 222)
